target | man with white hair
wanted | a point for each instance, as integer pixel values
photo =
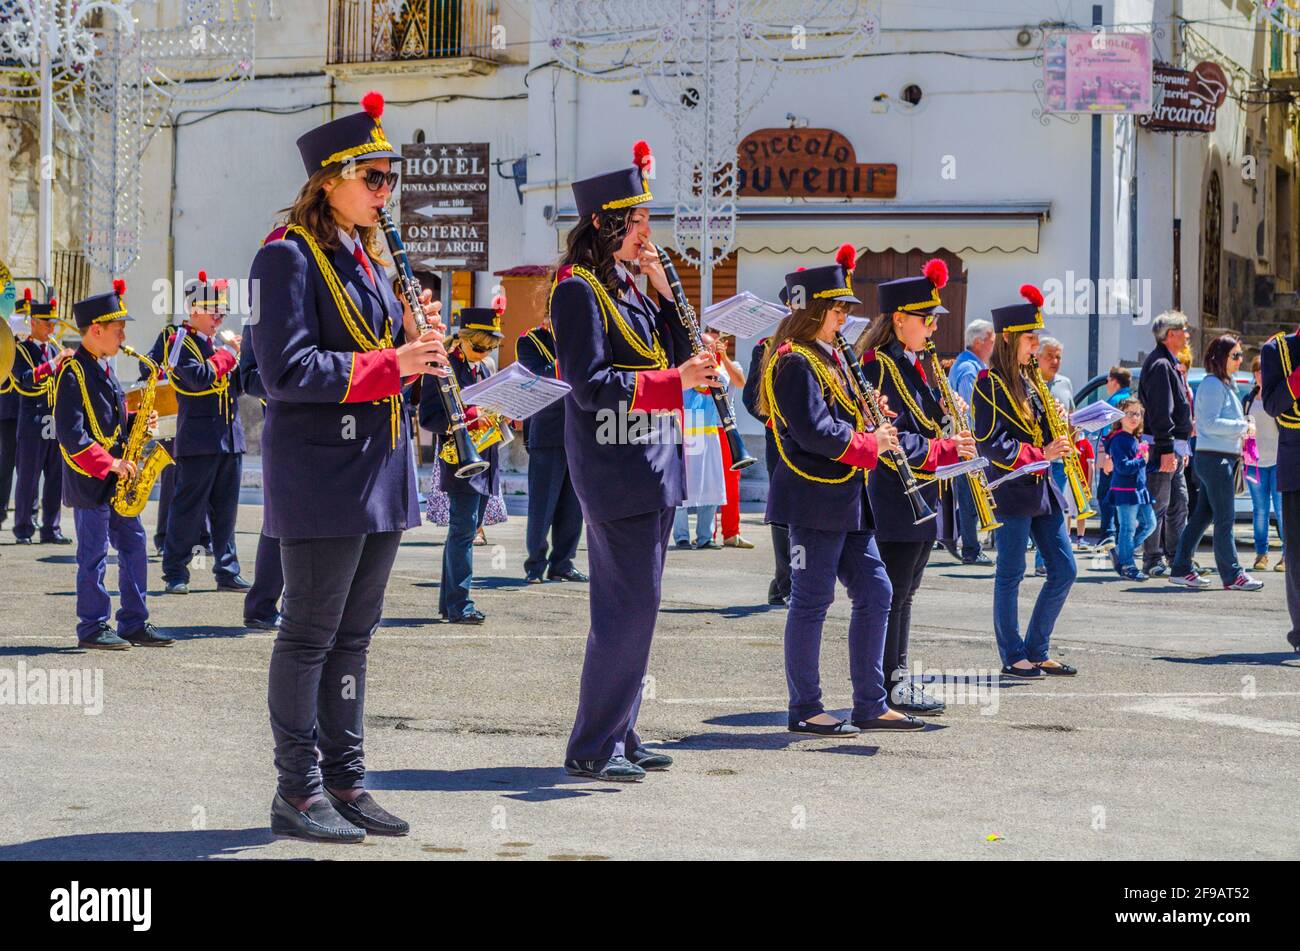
(1168, 420)
(961, 378)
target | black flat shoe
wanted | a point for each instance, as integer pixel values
(1032, 673)
(838, 728)
(320, 822)
(368, 814)
(616, 769)
(1060, 670)
(59, 539)
(883, 725)
(263, 624)
(22, 541)
(650, 760)
(473, 617)
(777, 601)
(149, 636)
(105, 639)
(237, 583)
(573, 574)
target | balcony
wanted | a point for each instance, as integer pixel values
(427, 38)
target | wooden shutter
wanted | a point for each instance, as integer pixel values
(724, 278)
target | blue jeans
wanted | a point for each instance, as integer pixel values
(1262, 494)
(1106, 507)
(1058, 476)
(1213, 504)
(1053, 543)
(467, 510)
(703, 523)
(967, 521)
(1136, 522)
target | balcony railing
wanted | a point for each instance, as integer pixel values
(447, 37)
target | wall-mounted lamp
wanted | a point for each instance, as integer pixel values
(636, 99)
(880, 103)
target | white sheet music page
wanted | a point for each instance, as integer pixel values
(515, 392)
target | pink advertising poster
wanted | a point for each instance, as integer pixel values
(1097, 72)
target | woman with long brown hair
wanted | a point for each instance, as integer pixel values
(1011, 431)
(819, 490)
(339, 482)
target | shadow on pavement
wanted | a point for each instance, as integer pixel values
(525, 783)
(1269, 659)
(184, 846)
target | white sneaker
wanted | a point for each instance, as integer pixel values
(1243, 582)
(1192, 580)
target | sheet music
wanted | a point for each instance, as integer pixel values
(1022, 471)
(515, 392)
(745, 315)
(961, 468)
(1095, 416)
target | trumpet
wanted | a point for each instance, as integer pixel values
(1060, 429)
(957, 422)
(869, 402)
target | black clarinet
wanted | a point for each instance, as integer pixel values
(740, 457)
(469, 462)
(869, 401)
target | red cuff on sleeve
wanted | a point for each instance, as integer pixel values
(1293, 383)
(94, 460)
(943, 452)
(657, 390)
(1027, 455)
(374, 376)
(471, 414)
(860, 452)
(42, 371)
(223, 361)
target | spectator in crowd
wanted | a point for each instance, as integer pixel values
(1261, 473)
(961, 379)
(706, 487)
(1119, 385)
(1222, 427)
(1167, 418)
(1125, 464)
(731, 536)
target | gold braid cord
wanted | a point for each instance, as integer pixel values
(44, 388)
(829, 384)
(96, 433)
(1019, 421)
(1289, 420)
(220, 388)
(655, 357)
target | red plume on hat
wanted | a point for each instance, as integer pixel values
(1032, 294)
(846, 257)
(27, 294)
(373, 103)
(203, 277)
(119, 286)
(936, 270)
(641, 156)
(54, 302)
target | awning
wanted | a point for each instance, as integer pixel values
(1008, 227)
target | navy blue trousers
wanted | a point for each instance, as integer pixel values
(626, 564)
(553, 510)
(37, 457)
(467, 511)
(262, 602)
(316, 685)
(206, 487)
(817, 558)
(8, 462)
(97, 528)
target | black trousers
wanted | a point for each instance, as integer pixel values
(779, 587)
(207, 489)
(262, 603)
(316, 691)
(1291, 555)
(8, 462)
(553, 510)
(166, 492)
(905, 564)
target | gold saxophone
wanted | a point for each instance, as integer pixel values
(1060, 429)
(131, 495)
(957, 423)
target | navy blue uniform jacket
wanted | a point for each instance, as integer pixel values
(1280, 384)
(33, 382)
(1009, 441)
(536, 351)
(208, 424)
(87, 482)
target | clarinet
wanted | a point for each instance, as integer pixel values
(469, 461)
(740, 458)
(869, 401)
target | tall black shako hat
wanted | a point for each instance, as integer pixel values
(102, 308)
(916, 295)
(356, 137)
(613, 190)
(485, 319)
(24, 307)
(831, 282)
(48, 311)
(208, 295)
(1021, 318)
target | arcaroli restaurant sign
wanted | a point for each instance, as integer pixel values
(808, 163)
(1186, 100)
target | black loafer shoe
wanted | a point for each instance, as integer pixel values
(573, 574)
(22, 541)
(57, 539)
(778, 602)
(176, 587)
(1059, 670)
(473, 617)
(980, 559)
(650, 760)
(105, 639)
(881, 725)
(149, 636)
(368, 814)
(838, 728)
(236, 583)
(320, 821)
(1033, 673)
(616, 769)
(263, 624)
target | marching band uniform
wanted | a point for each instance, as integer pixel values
(1027, 506)
(1280, 391)
(339, 488)
(778, 590)
(553, 507)
(620, 356)
(35, 367)
(905, 547)
(467, 498)
(209, 447)
(262, 602)
(9, 419)
(819, 490)
(93, 426)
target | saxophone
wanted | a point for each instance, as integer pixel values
(960, 422)
(131, 495)
(1060, 429)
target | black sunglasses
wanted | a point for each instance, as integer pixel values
(477, 349)
(375, 179)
